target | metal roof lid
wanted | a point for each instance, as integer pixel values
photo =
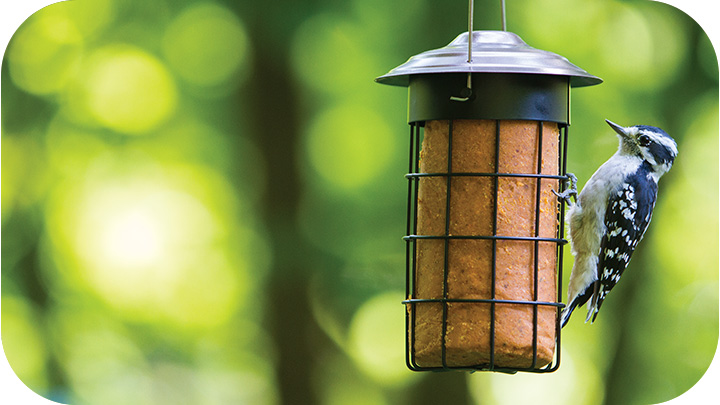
(492, 52)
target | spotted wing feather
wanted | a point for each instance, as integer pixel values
(627, 218)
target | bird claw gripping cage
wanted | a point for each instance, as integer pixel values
(488, 148)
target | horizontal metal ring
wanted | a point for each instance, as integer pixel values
(484, 237)
(483, 300)
(477, 174)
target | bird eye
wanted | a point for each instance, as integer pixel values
(644, 140)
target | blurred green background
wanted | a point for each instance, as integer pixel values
(203, 201)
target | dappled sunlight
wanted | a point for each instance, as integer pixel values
(128, 90)
(350, 146)
(21, 158)
(90, 18)
(139, 241)
(45, 53)
(331, 55)
(207, 46)
(131, 239)
(376, 340)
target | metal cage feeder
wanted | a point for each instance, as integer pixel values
(489, 119)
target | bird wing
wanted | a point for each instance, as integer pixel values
(626, 219)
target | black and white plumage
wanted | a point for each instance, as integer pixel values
(613, 212)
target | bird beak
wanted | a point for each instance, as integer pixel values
(620, 130)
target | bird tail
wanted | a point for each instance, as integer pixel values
(591, 314)
(565, 315)
(594, 304)
(579, 299)
(567, 311)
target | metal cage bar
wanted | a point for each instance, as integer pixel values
(493, 284)
(411, 248)
(446, 266)
(412, 238)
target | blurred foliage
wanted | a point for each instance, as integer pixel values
(202, 201)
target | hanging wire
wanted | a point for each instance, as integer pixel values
(502, 11)
(470, 29)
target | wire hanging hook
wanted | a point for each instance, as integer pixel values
(466, 93)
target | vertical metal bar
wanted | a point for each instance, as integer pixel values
(494, 245)
(538, 185)
(562, 167)
(409, 270)
(447, 244)
(408, 260)
(416, 169)
(563, 171)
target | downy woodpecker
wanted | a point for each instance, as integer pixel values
(612, 213)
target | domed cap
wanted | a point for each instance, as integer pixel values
(492, 52)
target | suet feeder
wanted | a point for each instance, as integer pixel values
(489, 119)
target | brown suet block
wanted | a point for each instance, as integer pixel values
(467, 337)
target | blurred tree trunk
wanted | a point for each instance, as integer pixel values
(288, 311)
(273, 114)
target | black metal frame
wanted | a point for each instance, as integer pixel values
(411, 251)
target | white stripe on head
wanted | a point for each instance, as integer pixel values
(660, 138)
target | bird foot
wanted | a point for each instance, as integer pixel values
(571, 190)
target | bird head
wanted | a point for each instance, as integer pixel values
(648, 143)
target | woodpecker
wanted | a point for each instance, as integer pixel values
(612, 213)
